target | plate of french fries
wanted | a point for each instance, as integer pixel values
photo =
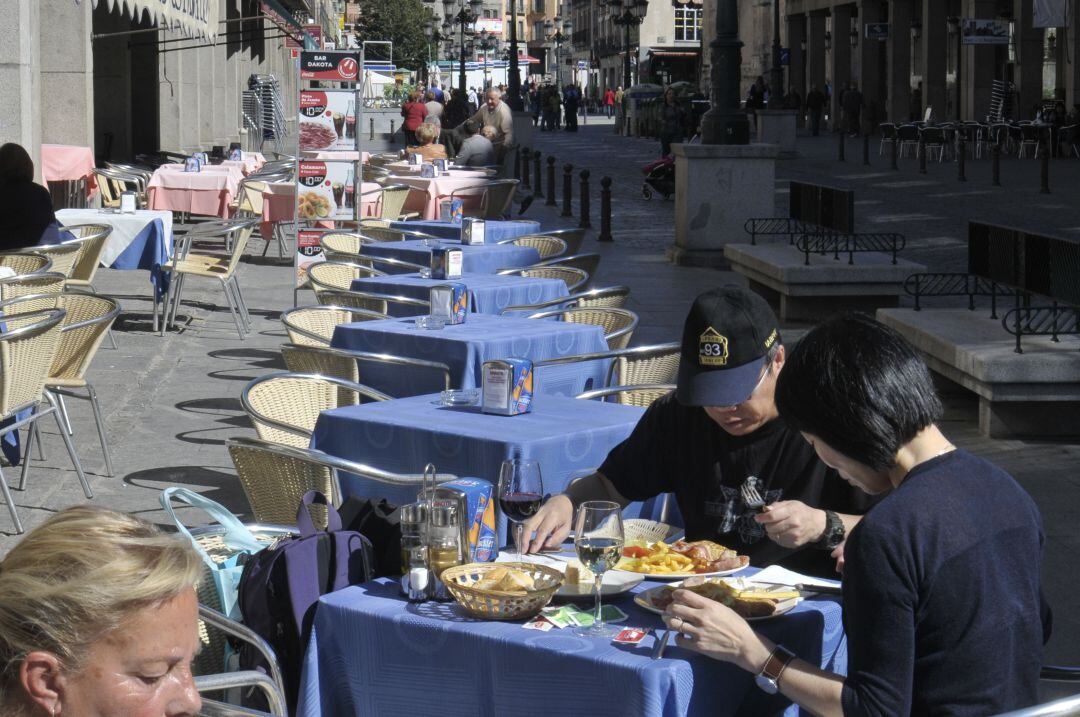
(675, 561)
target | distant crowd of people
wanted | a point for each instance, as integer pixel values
(440, 124)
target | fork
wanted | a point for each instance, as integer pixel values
(658, 649)
(750, 494)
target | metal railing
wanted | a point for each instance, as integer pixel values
(919, 286)
(851, 244)
(778, 226)
(1053, 321)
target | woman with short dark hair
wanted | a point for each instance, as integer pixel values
(26, 210)
(943, 604)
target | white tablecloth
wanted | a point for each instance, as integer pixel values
(125, 227)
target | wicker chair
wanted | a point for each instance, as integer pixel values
(63, 257)
(631, 395)
(345, 244)
(113, 182)
(314, 325)
(26, 262)
(27, 349)
(547, 247)
(379, 303)
(575, 279)
(393, 198)
(217, 681)
(283, 407)
(589, 263)
(41, 289)
(82, 331)
(657, 364)
(337, 275)
(391, 234)
(574, 238)
(91, 239)
(494, 198)
(610, 297)
(345, 364)
(213, 267)
(618, 324)
(384, 264)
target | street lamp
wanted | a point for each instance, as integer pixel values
(467, 15)
(558, 38)
(725, 122)
(627, 14)
(954, 30)
(776, 74)
(513, 82)
(436, 35)
(486, 42)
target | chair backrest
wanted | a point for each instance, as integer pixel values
(345, 364)
(314, 325)
(27, 348)
(338, 275)
(574, 238)
(63, 256)
(341, 243)
(283, 407)
(575, 279)
(647, 365)
(630, 395)
(589, 262)
(393, 200)
(371, 173)
(888, 130)
(498, 196)
(91, 239)
(907, 133)
(383, 233)
(547, 246)
(611, 296)
(43, 288)
(618, 324)
(251, 195)
(25, 262)
(88, 320)
(392, 266)
(369, 301)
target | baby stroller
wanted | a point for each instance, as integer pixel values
(660, 175)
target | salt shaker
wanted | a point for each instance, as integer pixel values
(416, 582)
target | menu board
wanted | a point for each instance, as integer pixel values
(326, 191)
(327, 120)
(338, 65)
(308, 251)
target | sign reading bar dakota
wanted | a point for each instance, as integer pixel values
(194, 18)
(339, 65)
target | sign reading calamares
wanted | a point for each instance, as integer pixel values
(193, 18)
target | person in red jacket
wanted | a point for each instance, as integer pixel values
(609, 101)
(414, 113)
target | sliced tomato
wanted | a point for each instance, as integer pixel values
(635, 551)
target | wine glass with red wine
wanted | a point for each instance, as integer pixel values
(521, 491)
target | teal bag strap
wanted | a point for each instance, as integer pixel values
(236, 535)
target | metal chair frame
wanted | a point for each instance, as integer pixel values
(575, 300)
(575, 279)
(358, 271)
(548, 247)
(366, 299)
(20, 262)
(604, 393)
(361, 356)
(615, 337)
(291, 327)
(630, 354)
(272, 685)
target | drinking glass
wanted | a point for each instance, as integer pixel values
(598, 537)
(521, 490)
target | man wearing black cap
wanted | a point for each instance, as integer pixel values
(717, 434)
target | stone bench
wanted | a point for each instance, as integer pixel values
(1034, 394)
(778, 271)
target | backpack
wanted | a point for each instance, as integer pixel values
(379, 522)
(281, 586)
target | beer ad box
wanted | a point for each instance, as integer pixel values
(321, 190)
(450, 302)
(445, 263)
(327, 120)
(478, 497)
(507, 387)
(451, 210)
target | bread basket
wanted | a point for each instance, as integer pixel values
(650, 531)
(497, 605)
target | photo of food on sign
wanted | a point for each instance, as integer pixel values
(321, 192)
(327, 120)
(680, 559)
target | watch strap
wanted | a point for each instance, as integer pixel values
(777, 663)
(834, 532)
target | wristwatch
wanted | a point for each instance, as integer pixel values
(834, 532)
(769, 677)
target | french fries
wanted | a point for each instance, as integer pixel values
(660, 561)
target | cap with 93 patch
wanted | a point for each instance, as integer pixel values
(726, 334)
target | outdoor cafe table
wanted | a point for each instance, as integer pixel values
(427, 191)
(63, 162)
(495, 230)
(208, 192)
(565, 435)
(475, 259)
(488, 293)
(465, 347)
(279, 204)
(373, 653)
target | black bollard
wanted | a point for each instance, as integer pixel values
(995, 155)
(517, 164)
(922, 156)
(605, 210)
(892, 154)
(392, 140)
(866, 150)
(961, 158)
(371, 130)
(551, 202)
(584, 223)
(1045, 173)
(567, 190)
(538, 191)
(525, 174)
(840, 146)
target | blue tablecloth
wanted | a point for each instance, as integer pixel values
(148, 250)
(567, 436)
(494, 230)
(482, 259)
(465, 347)
(373, 653)
(488, 293)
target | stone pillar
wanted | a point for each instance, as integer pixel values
(899, 60)
(935, 48)
(719, 187)
(1072, 69)
(815, 51)
(1029, 60)
(977, 68)
(796, 32)
(67, 72)
(20, 79)
(841, 61)
(868, 65)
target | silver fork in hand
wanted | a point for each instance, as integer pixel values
(750, 494)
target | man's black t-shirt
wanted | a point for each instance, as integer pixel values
(679, 449)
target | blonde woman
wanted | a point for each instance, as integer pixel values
(426, 134)
(98, 617)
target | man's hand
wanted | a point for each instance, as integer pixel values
(792, 523)
(551, 524)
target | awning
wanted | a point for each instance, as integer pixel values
(284, 20)
(673, 53)
(192, 18)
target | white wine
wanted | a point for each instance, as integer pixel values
(599, 554)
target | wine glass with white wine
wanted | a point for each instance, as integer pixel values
(598, 537)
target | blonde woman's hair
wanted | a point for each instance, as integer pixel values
(78, 577)
(426, 133)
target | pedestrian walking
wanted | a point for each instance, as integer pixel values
(473, 99)
(609, 102)
(815, 105)
(852, 104)
(672, 122)
(571, 102)
(434, 107)
(457, 110)
(534, 105)
(414, 113)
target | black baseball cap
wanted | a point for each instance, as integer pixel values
(726, 334)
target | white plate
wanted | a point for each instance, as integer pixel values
(644, 601)
(683, 576)
(615, 584)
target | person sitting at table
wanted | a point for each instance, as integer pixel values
(943, 605)
(99, 616)
(496, 113)
(425, 136)
(477, 149)
(26, 209)
(717, 435)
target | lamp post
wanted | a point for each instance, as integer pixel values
(486, 43)
(627, 14)
(954, 31)
(467, 15)
(435, 37)
(558, 38)
(725, 122)
(776, 73)
(513, 82)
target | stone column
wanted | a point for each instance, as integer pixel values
(841, 61)
(20, 79)
(796, 32)
(1029, 59)
(899, 60)
(815, 51)
(869, 64)
(67, 72)
(977, 68)
(935, 48)
(1072, 69)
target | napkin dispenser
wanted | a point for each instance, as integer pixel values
(415, 159)
(450, 302)
(203, 157)
(445, 263)
(128, 203)
(428, 171)
(507, 387)
(191, 164)
(441, 165)
(472, 231)
(236, 155)
(450, 210)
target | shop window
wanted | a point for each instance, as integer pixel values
(687, 24)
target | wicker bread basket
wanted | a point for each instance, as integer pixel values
(498, 605)
(650, 531)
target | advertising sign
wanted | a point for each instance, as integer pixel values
(327, 120)
(985, 32)
(308, 251)
(877, 31)
(316, 33)
(494, 25)
(326, 191)
(336, 65)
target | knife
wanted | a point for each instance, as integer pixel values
(822, 589)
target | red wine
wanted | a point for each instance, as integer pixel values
(519, 507)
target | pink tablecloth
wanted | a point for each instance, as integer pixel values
(208, 192)
(406, 169)
(279, 204)
(427, 192)
(346, 155)
(62, 161)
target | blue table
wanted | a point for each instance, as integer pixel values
(373, 653)
(494, 230)
(465, 347)
(482, 259)
(566, 435)
(489, 293)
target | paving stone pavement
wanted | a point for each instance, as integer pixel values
(171, 402)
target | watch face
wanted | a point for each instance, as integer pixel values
(766, 684)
